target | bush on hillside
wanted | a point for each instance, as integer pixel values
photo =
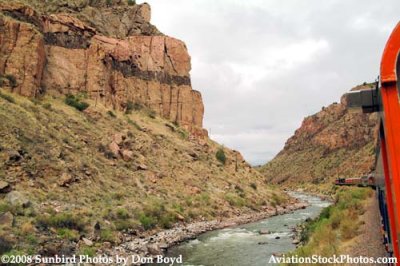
(220, 155)
(75, 102)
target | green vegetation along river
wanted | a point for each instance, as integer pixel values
(244, 245)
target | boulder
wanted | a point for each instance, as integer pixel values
(295, 241)
(17, 199)
(180, 217)
(114, 148)
(127, 155)
(65, 180)
(264, 232)
(142, 167)
(87, 242)
(118, 138)
(6, 220)
(14, 156)
(4, 187)
(107, 245)
(154, 249)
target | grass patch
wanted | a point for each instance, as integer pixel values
(61, 220)
(133, 123)
(107, 235)
(7, 97)
(235, 200)
(155, 213)
(122, 213)
(148, 222)
(183, 134)
(47, 106)
(87, 251)
(69, 234)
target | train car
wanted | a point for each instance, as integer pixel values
(364, 181)
(384, 99)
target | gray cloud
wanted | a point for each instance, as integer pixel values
(263, 65)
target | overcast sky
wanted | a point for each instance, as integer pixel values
(263, 65)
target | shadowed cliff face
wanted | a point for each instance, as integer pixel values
(333, 142)
(112, 53)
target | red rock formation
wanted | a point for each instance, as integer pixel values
(60, 54)
(335, 141)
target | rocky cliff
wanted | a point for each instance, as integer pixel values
(105, 49)
(101, 138)
(333, 142)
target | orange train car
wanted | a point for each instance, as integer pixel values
(385, 100)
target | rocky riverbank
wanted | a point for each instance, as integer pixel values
(158, 243)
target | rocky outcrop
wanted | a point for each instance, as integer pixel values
(64, 53)
(333, 142)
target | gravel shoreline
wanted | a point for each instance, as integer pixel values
(158, 243)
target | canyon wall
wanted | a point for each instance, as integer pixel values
(335, 142)
(76, 49)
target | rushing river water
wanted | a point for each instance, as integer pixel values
(243, 245)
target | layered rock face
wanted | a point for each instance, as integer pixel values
(73, 52)
(333, 142)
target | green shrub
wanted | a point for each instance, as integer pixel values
(131, 2)
(107, 235)
(276, 200)
(147, 222)
(47, 106)
(133, 123)
(234, 200)
(123, 225)
(4, 207)
(129, 107)
(32, 239)
(253, 186)
(220, 155)
(137, 106)
(75, 102)
(12, 79)
(111, 114)
(183, 134)
(122, 213)
(167, 220)
(61, 220)
(69, 234)
(152, 114)
(88, 251)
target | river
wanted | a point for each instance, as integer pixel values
(243, 245)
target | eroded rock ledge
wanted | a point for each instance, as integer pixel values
(59, 54)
